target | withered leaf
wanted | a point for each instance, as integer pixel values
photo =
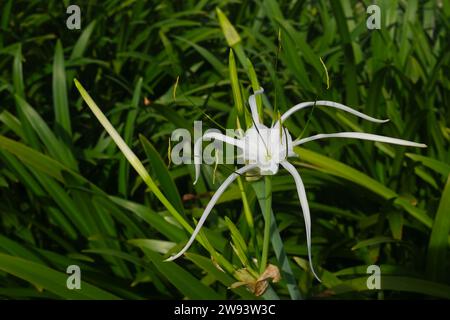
(257, 285)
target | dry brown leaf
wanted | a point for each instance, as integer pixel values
(260, 285)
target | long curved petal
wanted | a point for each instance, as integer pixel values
(331, 104)
(253, 106)
(209, 207)
(211, 135)
(305, 208)
(362, 136)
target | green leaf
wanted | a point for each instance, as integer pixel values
(12, 123)
(339, 169)
(32, 157)
(386, 270)
(5, 18)
(128, 135)
(19, 90)
(159, 246)
(187, 284)
(228, 30)
(60, 100)
(152, 218)
(16, 249)
(372, 242)
(49, 279)
(80, 46)
(78, 51)
(395, 219)
(208, 56)
(240, 247)
(255, 86)
(438, 245)
(206, 265)
(350, 79)
(19, 86)
(131, 157)
(237, 95)
(405, 284)
(162, 174)
(434, 164)
(65, 202)
(55, 147)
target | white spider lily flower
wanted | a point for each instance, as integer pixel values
(265, 149)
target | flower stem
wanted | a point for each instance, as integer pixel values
(248, 217)
(268, 209)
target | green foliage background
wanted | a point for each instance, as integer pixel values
(68, 196)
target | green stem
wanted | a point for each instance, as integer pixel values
(246, 207)
(248, 217)
(277, 244)
(267, 236)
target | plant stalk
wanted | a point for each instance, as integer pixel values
(268, 209)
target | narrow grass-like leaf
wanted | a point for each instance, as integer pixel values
(49, 279)
(438, 245)
(127, 136)
(206, 265)
(55, 147)
(405, 284)
(159, 246)
(351, 87)
(32, 157)
(6, 13)
(240, 246)
(373, 242)
(12, 123)
(162, 174)
(433, 164)
(255, 86)
(152, 218)
(211, 58)
(60, 99)
(80, 46)
(339, 169)
(187, 284)
(19, 90)
(16, 249)
(229, 31)
(131, 157)
(237, 95)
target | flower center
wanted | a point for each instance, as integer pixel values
(267, 148)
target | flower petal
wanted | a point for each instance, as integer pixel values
(253, 106)
(305, 208)
(211, 135)
(210, 206)
(362, 136)
(331, 104)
